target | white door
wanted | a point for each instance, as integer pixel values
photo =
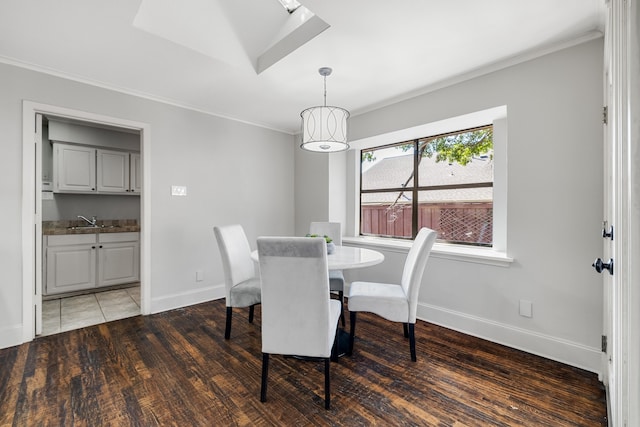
(622, 210)
(610, 296)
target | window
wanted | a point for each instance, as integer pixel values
(443, 182)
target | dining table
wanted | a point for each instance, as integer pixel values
(345, 258)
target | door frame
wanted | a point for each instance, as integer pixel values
(31, 218)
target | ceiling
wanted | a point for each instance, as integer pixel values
(250, 60)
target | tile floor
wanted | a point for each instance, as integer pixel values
(65, 314)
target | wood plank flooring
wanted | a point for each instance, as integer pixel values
(175, 368)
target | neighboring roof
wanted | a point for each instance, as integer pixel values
(392, 172)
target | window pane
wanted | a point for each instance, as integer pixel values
(458, 158)
(430, 172)
(390, 167)
(386, 214)
(458, 222)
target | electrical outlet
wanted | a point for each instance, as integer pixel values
(526, 308)
(199, 275)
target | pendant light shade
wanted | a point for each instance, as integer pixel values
(324, 129)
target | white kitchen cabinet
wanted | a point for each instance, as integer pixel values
(112, 171)
(75, 262)
(135, 176)
(119, 258)
(82, 169)
(74, 169)
(70, 263)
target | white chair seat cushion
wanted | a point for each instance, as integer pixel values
(384, 299)
(246, 293)
(336, 280)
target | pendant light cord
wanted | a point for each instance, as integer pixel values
(325, 91)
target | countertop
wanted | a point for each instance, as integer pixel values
(80, 227)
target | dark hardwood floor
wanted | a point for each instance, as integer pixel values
(175, 368)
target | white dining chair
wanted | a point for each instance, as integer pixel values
(241, 283)
(336, 277)
(395, 302)
(298, 317)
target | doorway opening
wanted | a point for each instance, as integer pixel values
(63, 210)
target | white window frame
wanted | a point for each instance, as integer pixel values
(496, 255)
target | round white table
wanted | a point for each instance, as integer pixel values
(346, 257)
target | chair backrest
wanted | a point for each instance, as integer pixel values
(295, 296)
(414, 268)
(236, 256)
(331, 229)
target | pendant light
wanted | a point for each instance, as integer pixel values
(324, 129)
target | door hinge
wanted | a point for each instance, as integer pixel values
(603, 344)
(605, 115)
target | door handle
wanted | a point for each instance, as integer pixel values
(600, 265)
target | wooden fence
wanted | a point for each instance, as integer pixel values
(470, 223)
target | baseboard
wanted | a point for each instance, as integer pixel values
(11, 336)
(550, 347)
(184, 299)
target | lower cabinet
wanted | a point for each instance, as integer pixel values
(75, 262)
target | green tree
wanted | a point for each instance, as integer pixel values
(459, 148)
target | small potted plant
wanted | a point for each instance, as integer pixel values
(330, 245)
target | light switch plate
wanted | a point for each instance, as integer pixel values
(178, 190)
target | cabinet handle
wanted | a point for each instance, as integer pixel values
(93, 247)
(100, 246)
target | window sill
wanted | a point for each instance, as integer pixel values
(476, 255)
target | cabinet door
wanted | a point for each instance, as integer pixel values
(70, 268)
(135, 178)
(119, 263)
(113, 171)
(74, 169)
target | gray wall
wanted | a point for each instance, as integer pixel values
(234, 173)
(554, 206)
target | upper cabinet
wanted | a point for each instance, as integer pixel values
(74, 169)
(113, 171)
(135, 177)
(81, 169)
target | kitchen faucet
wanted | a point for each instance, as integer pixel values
(91, 222)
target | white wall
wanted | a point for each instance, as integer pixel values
(554, 207)
(234, 173)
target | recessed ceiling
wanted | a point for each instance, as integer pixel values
(251, 60)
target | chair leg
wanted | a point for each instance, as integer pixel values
(327, 385)
(352, 332)
(251, 313)
(227, 329)
(412, 341)
(265, 372)
(341, 296)
(334, 348)
(406, 330)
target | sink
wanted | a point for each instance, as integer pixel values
(82, 227)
